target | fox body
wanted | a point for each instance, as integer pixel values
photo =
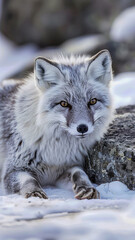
(50, 120)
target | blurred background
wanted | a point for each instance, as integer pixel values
(29, 28)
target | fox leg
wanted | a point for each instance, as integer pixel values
(24, 183)
(82, 186)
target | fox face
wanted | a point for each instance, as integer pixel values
(74, 94)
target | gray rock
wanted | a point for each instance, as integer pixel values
(52, 22)
(83, 44)
(45, 22)
(114, 157)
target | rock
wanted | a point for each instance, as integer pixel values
(113, 159)
(83, 44)
(123, 27)
(123, 54)
(83, 26)
(46, 22)
(52, 22)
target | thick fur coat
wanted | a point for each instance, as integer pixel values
(50, 120)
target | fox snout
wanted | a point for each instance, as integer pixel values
(82, 128)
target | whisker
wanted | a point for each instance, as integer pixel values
(99, 118)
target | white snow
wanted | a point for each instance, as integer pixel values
(123, 27)
(115, 190)
(13, 58)
(61, 216)
(123, 89)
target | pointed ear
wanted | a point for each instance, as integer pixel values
(100, 67)
(47, 73)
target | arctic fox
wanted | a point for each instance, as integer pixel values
(50, 120)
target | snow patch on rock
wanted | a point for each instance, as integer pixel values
(123, 27)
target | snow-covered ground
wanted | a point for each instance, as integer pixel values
(61, 216)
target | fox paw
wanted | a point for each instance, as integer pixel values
(39, 194)
(87, 193)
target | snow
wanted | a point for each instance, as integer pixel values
(123, 28)
(115, 190)
(123, 89)
(61, 216)
(13, 59)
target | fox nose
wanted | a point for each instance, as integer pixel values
(82, 128)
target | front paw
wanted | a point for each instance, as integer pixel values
(39, 194)
(86, 192)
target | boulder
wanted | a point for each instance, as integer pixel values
(52, 22)
(113, 158)
(84, 44)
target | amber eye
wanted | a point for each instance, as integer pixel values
(64, 104)
(93, 101)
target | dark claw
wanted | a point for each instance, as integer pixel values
(36, 194)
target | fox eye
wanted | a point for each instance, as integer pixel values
(64, 104)
(93, 101)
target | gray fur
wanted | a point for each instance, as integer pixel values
(39, 139)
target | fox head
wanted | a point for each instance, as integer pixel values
(75, 94)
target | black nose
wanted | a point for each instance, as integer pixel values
(82, 128)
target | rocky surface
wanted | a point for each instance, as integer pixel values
(52, 22)
(123, 54)
(81, 27)
(114, 157)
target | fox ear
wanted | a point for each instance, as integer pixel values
(47, 73)
(100, 67)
